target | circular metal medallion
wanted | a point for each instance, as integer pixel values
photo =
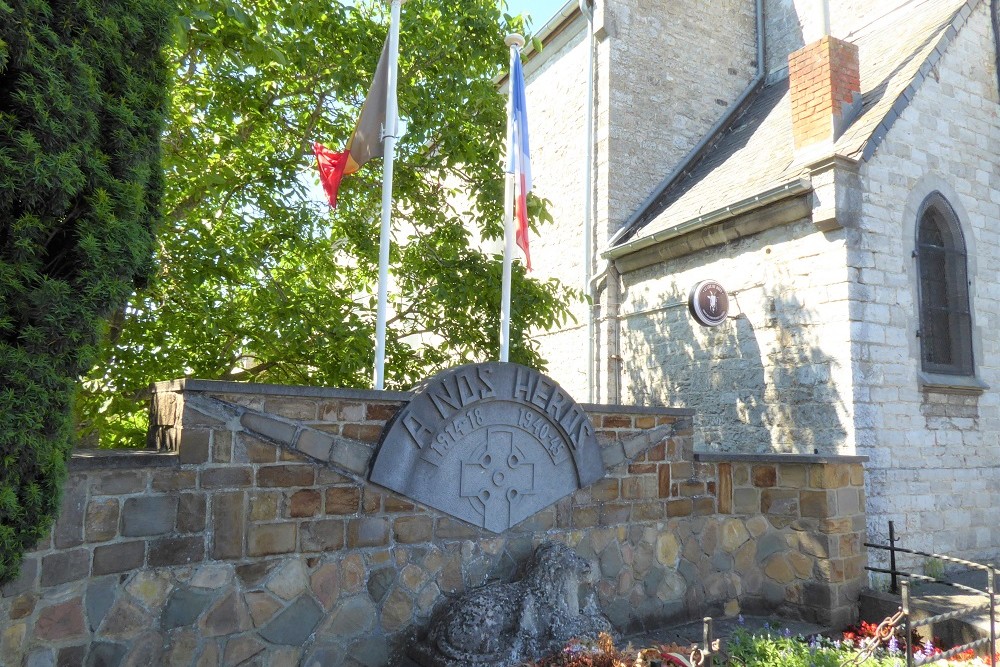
(709, 303)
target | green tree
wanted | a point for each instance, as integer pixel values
(257, 279)
(82, 104)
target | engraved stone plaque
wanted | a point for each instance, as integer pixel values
(491, 444)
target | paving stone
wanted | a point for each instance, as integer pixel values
(379, 583)
(41, 657)
(252, 574)
(61, 622)
(240, 649)
(181, 647)
(184, 607)
(370, 652)
(352, 618)
(150, 588)
(353, 573)
(144, 651)
(148, 515)
(125, 620)
(732, 535)
(23, 605)
(104, 654)
(71, 656)
(397, 612)
(228, 616)
(262, 605)
(99, 597)
(212, 576)
(290, 579)
(325, 584)
(611, 562)
(293, 626)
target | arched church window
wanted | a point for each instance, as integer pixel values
(945, 319)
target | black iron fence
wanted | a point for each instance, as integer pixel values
(903, 588)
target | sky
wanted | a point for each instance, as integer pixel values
(541, 10)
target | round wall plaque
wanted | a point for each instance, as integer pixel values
(708, 303)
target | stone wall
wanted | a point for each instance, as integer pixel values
(769, 379)
(934, 451)
(253, 538)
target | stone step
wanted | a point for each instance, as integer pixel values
(932, 599)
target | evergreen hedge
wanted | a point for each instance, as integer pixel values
(82, 105)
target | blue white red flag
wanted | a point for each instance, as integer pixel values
(518, 160)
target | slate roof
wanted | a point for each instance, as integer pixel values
(754, 152)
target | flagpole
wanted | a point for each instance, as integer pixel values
(389, 145)
(515, 42)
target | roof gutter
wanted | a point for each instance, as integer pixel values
(791, 189)
(632, 224)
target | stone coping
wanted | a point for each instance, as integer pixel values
(227, 387)
(733, 457)
(104, 459)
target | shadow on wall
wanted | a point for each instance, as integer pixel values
(759, 382)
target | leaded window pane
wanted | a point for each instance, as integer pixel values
(945, 319)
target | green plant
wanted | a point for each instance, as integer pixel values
(257, 280)
(82, 102)
(934, 568)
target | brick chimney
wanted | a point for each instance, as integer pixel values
(825, 84)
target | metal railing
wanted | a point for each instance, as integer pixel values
(909, 624)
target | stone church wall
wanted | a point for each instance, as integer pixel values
(251, 537)
(935, 455)
(773, 377)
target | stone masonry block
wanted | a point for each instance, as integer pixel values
(191, 512)
(286, 475)
(413, 529)
(269, 427)
(350, 455)
(819, 504)
(315, 444)
(746, 501)
(226, 477)
(764, 475)
(229, 520)
(829, 476)
(251, 449)
(343, 500)
(194, 445)
(63, 566)
(367, 532)
(792, 476)
(148, 515)
(724, 492)
(120, 557)
(270, 539)
(176, 551)
(101, 523)
(780, 502)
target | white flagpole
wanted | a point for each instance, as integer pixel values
(389, 150)
(515, 42)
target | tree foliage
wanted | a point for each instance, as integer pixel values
(82, 104)
(257, 279)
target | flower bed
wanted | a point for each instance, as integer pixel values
(770, 647)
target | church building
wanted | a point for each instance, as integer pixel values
(834, 167)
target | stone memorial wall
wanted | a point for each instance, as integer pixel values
(250, 535)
